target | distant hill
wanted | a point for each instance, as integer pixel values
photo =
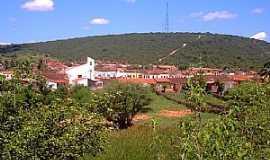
(213, 50)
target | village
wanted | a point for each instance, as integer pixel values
(163, 78)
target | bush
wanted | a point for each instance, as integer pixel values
(242, 134)
(34, 125)
(124, 101)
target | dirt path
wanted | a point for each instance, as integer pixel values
(141, 117)
(173, 114)
(163, 113)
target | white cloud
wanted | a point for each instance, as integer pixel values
(215, 15)
(258, 11)
(38, 5)
(211, 16)
(4, 43)
(260, 36)
(99, 21)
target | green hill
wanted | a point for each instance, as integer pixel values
(214, 49)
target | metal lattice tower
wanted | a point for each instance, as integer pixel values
(166, 28)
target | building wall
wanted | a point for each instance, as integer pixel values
(85, 71)
(106, 74)
(52, 85)
(8, 76)
(83, 82)
(154, 76)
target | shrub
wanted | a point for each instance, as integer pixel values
(242, 134)
(34, 125)
(124, 101)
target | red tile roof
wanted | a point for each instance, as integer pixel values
(178, 80)
(55, 64)
(56, 77)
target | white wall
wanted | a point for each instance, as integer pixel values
(83, 82)
(106, 74)
(52, 85)
(86, 71)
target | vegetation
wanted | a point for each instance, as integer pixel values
(216, 50)
(242, 134)
(36, 123)
(265, 72)
(124, 101)
(195, 92)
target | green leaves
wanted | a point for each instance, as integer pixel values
(46, 125)
(242, 134)
(124, 101)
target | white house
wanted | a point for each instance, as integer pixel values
(7, 74)
(82, 74)
(110, 73)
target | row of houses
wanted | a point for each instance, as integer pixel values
(165, 78)
(213, 83)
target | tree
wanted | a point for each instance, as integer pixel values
(265, 72)
(196, 91)
(124, 101)
(34, 125)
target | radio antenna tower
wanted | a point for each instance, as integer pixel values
(167, 29)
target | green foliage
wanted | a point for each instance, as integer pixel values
(215, 50)
(82, 94)
(242, 134)
(124, 101)
(195, 92)
(218, 139)
(45, 125)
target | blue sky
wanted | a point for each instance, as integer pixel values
(25, 21)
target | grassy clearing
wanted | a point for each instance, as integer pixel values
(159, 103)
(142, 142)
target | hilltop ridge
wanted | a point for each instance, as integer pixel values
(213, 50)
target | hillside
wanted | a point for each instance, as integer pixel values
(214, 49)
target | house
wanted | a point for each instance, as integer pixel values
(110, 73)
(155, 74)
(164, 85)
(178, 83)
(82, 74)
(225, 81)
(7, 74)
(105, 73)
(58, 74)
(56, 66)
(165, 67)
(56, 80)
(204, 71)
(135, 74)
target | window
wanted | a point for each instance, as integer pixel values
(91, 63)
(79, 76)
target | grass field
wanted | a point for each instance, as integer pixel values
(142, 141)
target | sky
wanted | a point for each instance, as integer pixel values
(28, 21)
